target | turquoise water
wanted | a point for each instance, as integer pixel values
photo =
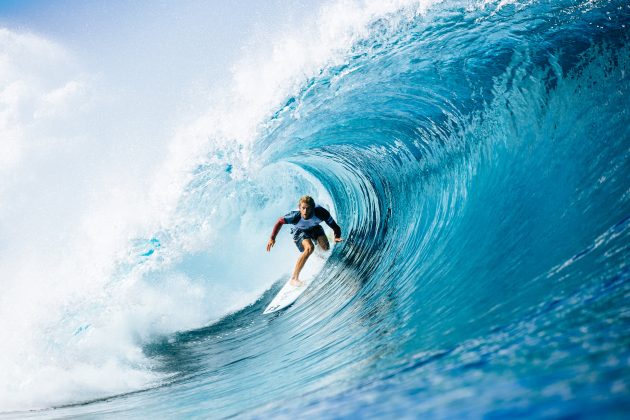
(477, 158)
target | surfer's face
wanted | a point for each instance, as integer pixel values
(305, 210)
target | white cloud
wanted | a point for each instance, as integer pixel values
(63, 101)
(40, 87)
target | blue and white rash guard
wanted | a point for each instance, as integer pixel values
(319, 215)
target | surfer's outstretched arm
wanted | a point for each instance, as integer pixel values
(336, 229)
(326, 217)
(274, 233)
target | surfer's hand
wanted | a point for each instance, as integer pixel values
(338, 239)
(270, 244)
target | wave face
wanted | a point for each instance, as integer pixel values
(477, 158)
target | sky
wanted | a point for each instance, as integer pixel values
(157, 51)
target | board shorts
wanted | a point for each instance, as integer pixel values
(313, 233)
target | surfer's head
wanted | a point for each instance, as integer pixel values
(306, 206)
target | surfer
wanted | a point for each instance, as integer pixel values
(307, 228)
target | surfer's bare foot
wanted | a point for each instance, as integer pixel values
(296, 282)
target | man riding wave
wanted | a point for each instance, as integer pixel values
(307, 229)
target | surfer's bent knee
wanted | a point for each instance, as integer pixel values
(308, 247)
(323, 243)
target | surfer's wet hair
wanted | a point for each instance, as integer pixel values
(308, 200)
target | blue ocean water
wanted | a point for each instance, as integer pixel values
(477, 157)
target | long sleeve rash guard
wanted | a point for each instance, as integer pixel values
(320, 214)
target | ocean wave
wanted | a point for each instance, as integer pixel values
(476, 157)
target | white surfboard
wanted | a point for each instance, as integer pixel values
(289, 293)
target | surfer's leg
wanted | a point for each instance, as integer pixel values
(323, 242)
(308, 246)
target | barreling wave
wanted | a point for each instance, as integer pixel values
(477, 159)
